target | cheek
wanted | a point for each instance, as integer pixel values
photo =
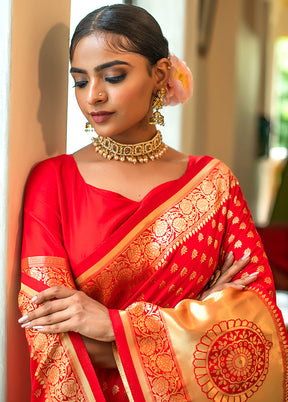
(80, 101)
(135, 97)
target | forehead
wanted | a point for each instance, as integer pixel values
(98, 49)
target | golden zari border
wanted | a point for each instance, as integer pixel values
(231, 344)
(59, 374)
(122, 372)
(150, 249)
(50, 270)
(153, 358)
(137, 362)
(78, 369)
(230, 347)
(149, 220)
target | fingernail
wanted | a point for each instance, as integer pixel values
(254, 274)
(229, 254)
(245, 256)
(23, 319)
(38, 327)
(25, 325)
(34, 299)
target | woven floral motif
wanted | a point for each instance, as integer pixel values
(52, 271)
(232, 359)
(156, 353)
(55, 377)
(149, 250)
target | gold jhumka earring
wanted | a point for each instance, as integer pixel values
(157, 105)
(89, 128)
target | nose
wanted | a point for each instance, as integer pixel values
(95, 94)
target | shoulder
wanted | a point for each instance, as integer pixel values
(55, 163)
(49, 168)
(213, 164)
(46, 175)
(208, 164)
(214, 171)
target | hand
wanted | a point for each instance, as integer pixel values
(227, 273)
(63, 309)
(100, 353)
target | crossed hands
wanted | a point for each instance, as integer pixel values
(223, 277)
(62, 309)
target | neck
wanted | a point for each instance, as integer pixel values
(135, 135)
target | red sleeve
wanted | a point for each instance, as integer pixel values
(42, 233)
(45, 264)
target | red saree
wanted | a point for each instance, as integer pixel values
(147, 262)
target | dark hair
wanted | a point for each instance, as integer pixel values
(132, 29)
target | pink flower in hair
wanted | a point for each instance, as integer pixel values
(180, 84)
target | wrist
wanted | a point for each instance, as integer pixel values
(109, 331)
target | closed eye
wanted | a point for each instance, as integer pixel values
(80, 84)
(117, 78)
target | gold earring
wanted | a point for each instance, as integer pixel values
(89, 128)
(157, 104)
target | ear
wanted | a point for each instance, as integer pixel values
(161, 72)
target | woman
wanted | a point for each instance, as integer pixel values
(121, 295)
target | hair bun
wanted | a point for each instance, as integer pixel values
(180, 84)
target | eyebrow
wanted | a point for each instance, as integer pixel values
(100, 67)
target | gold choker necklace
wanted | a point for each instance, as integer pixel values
(142, 152)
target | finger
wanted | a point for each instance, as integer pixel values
(57, 328)
(48, 308)
(248, 279)
(239, 284)
(66, 321)
(234, 285)
(48, 320)
(218, 288)
(229, 260)
(55, 292)
(233, 270)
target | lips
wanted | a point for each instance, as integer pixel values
(101, 117)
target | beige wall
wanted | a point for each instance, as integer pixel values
(39, 70)
(227, 78)
(214, 90)
(220, 83)
(189, 116)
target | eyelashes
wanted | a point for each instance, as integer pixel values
(80, 84)
(117, 78)
(111, 80)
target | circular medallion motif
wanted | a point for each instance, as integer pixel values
(232, 359)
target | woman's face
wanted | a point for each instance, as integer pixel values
(114, 90)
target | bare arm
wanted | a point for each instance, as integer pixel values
(100, 353)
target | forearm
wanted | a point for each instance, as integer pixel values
(100, 353)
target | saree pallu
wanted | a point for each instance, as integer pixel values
(148, 262)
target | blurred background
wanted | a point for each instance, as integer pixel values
(238, 54)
